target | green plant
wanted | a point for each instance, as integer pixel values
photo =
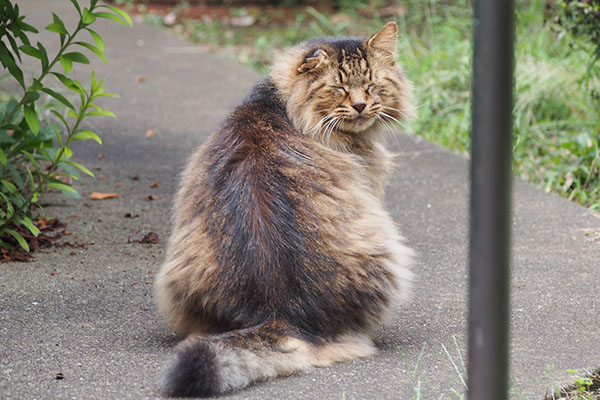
(583, 387)
(556, 124)
(34, 154)
(581, 20)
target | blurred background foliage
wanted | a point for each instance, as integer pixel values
(557, 101)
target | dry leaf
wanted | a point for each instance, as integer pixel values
(152, 197)
(149, 133)
(155, 185)
(100, 156)
(139, 79)
(59, 376)
(151, 238)
(103, 196)
(131, 215)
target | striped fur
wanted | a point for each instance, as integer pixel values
(282, 256)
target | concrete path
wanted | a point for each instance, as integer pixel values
(88, 313)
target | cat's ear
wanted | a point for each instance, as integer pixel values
(384, 42)
(318, 59)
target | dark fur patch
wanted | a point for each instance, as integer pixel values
(273, 258)
(191, 371)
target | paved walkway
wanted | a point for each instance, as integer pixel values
(88, 313)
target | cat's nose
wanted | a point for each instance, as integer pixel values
(359, 106)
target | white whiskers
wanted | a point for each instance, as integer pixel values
(391, 118)
(324, 120)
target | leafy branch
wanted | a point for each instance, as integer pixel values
(35, 155)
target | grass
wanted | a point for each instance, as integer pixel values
(583, 388)
(556, 120)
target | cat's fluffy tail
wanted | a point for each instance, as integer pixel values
(213, 365)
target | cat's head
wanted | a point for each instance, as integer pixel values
(337, 87)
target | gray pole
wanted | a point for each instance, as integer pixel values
(489, 253)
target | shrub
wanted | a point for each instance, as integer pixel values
(581, 19)
(34, 154)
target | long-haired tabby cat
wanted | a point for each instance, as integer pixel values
(282, 256)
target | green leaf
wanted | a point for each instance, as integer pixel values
(30, 225)
(121, 13)
(88, 18)
(9, 186)
(107, 15)
(61, 118)
(85, 134)
(31, 159)
(14, 45)
(19, 239)
(30, 97)
(66, 63)
(36, 85)
(76, 6)
(30, 175)
(69, 83)
(93, 49)
(72, 114)
(81, 167)
(107, 95)
(77, 57)
(10, 209)
(32, 119)
(30, 51)
(58, 97)
(9, 63)
(26, 27)
(57, 26)
(67, 153)
(62, 187)
(99, 41)
(57, 135)
(3, 158)
(104, 113)
(65, 189)
(43, 54)
(70, 171)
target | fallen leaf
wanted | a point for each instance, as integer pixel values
(103, 196)
(100, 156)
(53, 273)
(131, 215)
(43, 223)
(150, 237)
(59, 376)
(144, 308)
(155, 185)
(139, 79)
(149, 133)
(152, 197)
(134, 178)
(72, 245)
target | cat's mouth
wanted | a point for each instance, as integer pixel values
(357, 123)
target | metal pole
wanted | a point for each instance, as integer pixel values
(489, 253)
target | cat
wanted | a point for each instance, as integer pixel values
(282, 256)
